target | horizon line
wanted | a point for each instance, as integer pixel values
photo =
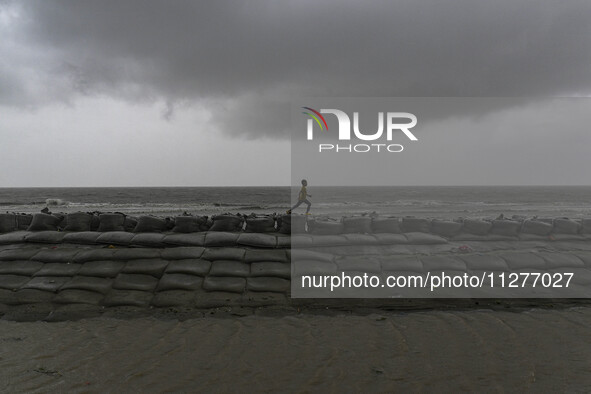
(229, 186)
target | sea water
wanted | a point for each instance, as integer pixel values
(424, 201)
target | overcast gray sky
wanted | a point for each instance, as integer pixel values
(149, 93)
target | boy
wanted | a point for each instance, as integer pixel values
(302, 198)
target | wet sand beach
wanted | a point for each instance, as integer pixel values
(424, 351)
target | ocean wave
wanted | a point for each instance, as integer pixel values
(56, 202)
(19, 203)
(10, 203)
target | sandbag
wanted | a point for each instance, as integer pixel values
(443, 263)
(189, 239)
(306, 267)
(183, 252)
(358, 264)
(298, 224)
(424, 239)
(301, 240)
(253, 255)
(328, 240)
(83, 237)
(7, 222)
(197, 267)
(519, 260)
(86, 255)
(569, 237)
(489, 262)
(390, 239)
(566, 226)
(212, 254)
(44, 222)
(14, 237)
(561, 260)
(136, 254)
(284, 241)
(386, 225)
(89, 283)
(46, 283)
(151, 240)
(57, 255)
(153, 267)
(532, 237)
(505, 227)
(415, 225)
(23, 221)
(29, 296)
(13, 282)
(260, 224)
(297, 254)
(280, 270)
(20, 267)
(221, 239)
(62, 217)
(115, 238)
(58, 269)
(46, 237)
(586, 226)
(179, 282)
(95, 222)
(361, 239)
(135, 282)
(76, 296)
(401, 263)
(536, 227)
(289, 224)
(168, 298)
(257, 240)
(229, 268)
(227, 284)
(484, 238)
(111, 222)
(360, 224)
(284, 224)
(325, 228)
(78, 221)
(268, 284)
(227, 223)
(190, 224)
(476, 227)
(169, 223)
(111, 254)
(445, 228)
(150, 224)
(101, 268)
(128, 298)
(130, 223)
(18, 254)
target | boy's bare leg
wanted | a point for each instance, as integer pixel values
(294, 207)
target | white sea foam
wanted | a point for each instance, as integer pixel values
(56, 202)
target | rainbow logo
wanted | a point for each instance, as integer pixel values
(315, 115)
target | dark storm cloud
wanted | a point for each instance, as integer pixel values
(245, 60)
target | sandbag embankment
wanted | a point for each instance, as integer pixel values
(459, 229)
(51, 276)
(48, 270)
